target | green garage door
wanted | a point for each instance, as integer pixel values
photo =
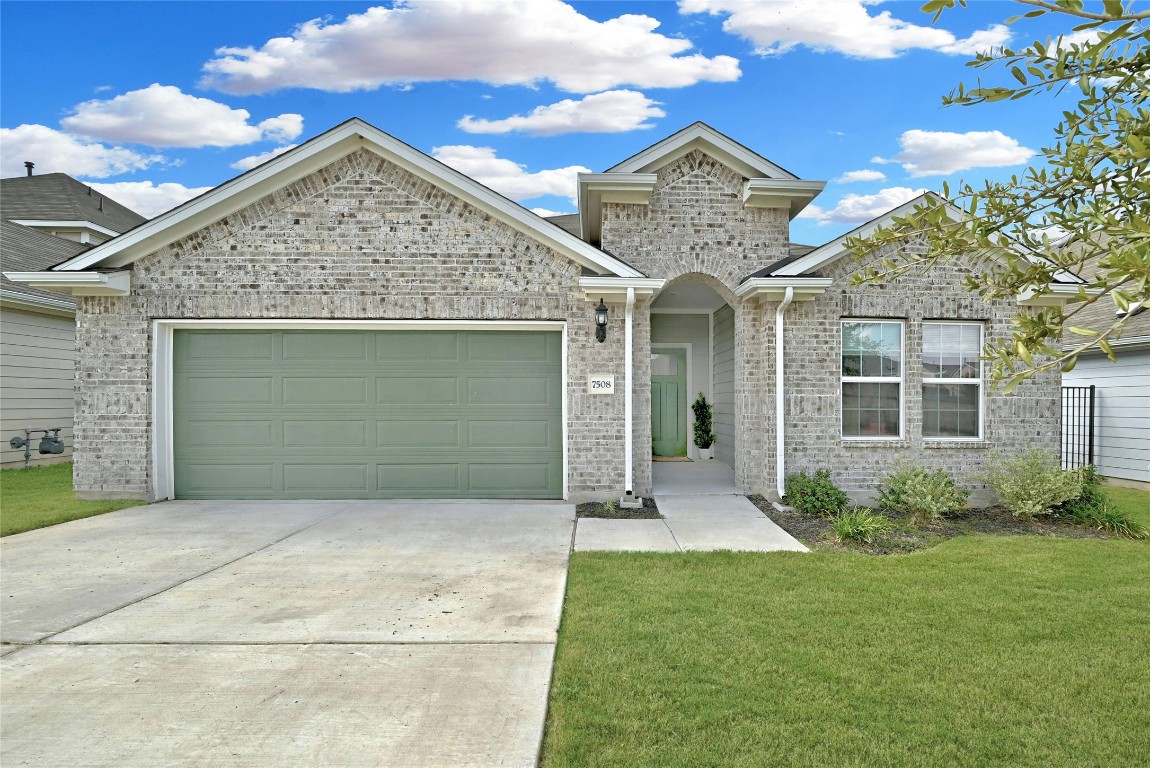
(367, 414)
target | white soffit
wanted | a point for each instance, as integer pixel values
(791, 194)
(614, 289)
(93, 283)
(775, 288)
(1056, 295)
(311, 156)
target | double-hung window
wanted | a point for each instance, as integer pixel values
(952, 380)
(872, 366)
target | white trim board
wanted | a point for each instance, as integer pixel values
(163, 446)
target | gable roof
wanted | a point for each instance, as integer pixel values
(311, 156)
(699, 135)
(23, 249)
(59, 197)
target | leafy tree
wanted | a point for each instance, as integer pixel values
(1084, 209)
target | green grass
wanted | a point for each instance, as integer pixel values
(1131, 501)
(42, 496)
(984, 651)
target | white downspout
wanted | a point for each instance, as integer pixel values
(628, 395)
(780, 396)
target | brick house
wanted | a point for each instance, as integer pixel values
(353, 319)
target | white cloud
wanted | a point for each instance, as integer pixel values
(856, 209)
(165, 116)
(148, 199)
(547, 212)
(508, 177)
(501, 42)
(850, 177)
(251, 161)
(55, 152)
(607, 112)
(841, 26)
(938, 153)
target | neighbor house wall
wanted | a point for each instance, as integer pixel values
(1121, 411)
(1030, 416)
(37, 374)
(358, 239)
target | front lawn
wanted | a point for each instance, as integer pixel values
(985, 650)
(43, 496)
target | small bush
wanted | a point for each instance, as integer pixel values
(815, 494)
(855, 526)
(1031, 484)
(1093, 509)
(925, 495)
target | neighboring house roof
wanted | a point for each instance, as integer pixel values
(59, 197)
(1103, 312)
(316, 153)
(23, 249)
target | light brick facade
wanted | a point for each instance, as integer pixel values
(364, 239)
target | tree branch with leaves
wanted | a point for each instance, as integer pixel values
(1084, 210)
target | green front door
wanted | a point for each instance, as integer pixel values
(668, 401)
(313, 414)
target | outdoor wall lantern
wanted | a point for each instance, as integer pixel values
(601, 321)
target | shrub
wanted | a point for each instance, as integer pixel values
(923, 494)
(1031, 484)
(815, 494)
(1093, 509)
(704, 422)
(860, 525)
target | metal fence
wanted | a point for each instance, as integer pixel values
(1077, 426)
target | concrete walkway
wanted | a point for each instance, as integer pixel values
(702, 512)
(283, 633)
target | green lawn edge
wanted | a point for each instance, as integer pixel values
(41, 496)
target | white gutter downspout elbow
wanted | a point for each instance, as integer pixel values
(780, 396)
(628, 442)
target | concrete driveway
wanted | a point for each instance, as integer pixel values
(283, 633)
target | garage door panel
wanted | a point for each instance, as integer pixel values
(324, 345)
(379, 414)
(325, 433)
(321, 390)
(401, 390)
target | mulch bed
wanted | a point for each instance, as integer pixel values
(650, 511)
(818, 532)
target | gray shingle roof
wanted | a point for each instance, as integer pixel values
(568, 221)
(25, 250)
(59, 197)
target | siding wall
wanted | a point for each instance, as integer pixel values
(1122, 411)
(37, 371)
(724, 345)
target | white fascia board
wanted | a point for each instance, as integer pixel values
(1056, 295)
(792, 194)
(775, 288)
(598, 188)
(831, 251)
(699, 136)
(614, 289)
(53, 224)
(1130, 342)
(313, 155)
(41, 304)
(106, 283)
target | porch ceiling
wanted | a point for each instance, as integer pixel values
(688, 296)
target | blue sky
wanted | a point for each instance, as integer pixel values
(154, 101)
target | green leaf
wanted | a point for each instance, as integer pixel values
(1077, 331)
(1019, 75)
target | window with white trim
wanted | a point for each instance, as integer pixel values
(872, 379)
(952, 381)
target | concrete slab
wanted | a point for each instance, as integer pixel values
(58, 577)
(706, 507)
(692, 478)
(738, 534)
(598, 535)
(7, 649)
(381, 572)
(272, 706)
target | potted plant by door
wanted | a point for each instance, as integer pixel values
(704, 427)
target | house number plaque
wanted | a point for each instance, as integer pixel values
(601, 384)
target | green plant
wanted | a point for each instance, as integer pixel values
(1031, 484)
(704, 422)
(815, 494)
(860, 525)
(1094, 509)
(925, 495)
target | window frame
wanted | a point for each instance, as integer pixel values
(967, 380)
(900, 380)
